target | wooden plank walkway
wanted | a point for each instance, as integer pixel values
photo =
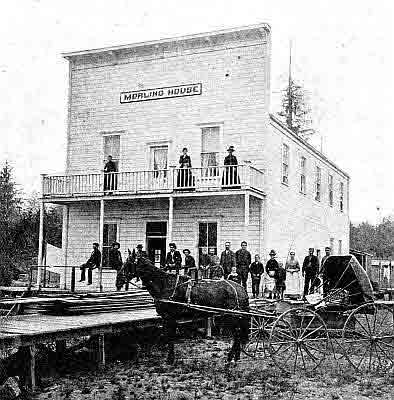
(26, 330)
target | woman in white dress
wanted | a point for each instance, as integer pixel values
(293, 283)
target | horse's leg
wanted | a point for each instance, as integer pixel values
(171, 331)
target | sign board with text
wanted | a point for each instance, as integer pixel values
(193, 89)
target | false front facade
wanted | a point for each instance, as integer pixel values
(142, 104)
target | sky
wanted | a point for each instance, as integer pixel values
(342, 54)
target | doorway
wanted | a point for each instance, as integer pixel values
(156, 240)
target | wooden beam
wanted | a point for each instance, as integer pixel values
(32, 367)
(101, 234)
(101, 350)
(170, 218)
(65, 243)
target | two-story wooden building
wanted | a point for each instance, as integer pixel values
(143, 103)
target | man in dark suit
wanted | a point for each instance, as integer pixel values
(243, 260)
(110, 178)
(115, 262)
(173, 259)
(227, 260)
(310, 269)
(190, 265)
(93, 262)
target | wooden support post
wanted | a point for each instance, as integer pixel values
(65, 244)
(170, 218)
(209, 327)
(73, 279)
(40, 243)
(101, 350)
(246, 217)
(101, 237)
(32, 368)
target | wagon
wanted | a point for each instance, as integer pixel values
(342, 320)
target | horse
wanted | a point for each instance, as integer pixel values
(221, 293)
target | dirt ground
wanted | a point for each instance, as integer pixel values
(201, 373)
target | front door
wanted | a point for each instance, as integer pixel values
(156, 240)
(157, 250)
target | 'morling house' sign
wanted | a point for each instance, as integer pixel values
(192, 89)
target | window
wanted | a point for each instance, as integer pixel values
(210, 145)
(285, 164)
(159, 160)
(330, 190)
(332, 245)
(303, 175)
(341, 198)
(112, 148)
(207, 237)
(110, 235)
(339, 247)
(318, 184)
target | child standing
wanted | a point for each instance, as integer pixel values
(280, 279)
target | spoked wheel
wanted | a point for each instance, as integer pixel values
(368, 338)
(258, 336)
(299, 340)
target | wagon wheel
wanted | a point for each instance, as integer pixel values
(368, 338)
(258, 336)
(299, 340)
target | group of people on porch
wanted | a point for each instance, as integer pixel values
(185, 177)
(274, 279)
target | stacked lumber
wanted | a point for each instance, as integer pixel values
(98, 303)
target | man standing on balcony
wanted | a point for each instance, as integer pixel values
(173, 259)
(184, 179)
(110, 179)
(93, 262)
(227, 260)
(230, 176)
(243, 260)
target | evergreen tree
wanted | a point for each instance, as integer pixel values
(10, 208)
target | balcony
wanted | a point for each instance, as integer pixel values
(205, 179)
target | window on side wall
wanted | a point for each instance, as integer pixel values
(110, 235)
(210, 148)
(332, 245)
(341, 197)
(318, 184)
(330, 190)
(207, 237)
(285, 164)
(112, 148)
(339, 247)
(303, 175)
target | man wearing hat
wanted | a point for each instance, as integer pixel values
(230, 177)
(140, 253)
(173, 259)
(243, 260)
(93, 262)
(110, 178)
(271, 268)
(310, 269)
(115, 262)
(190, 265)
(227, 260)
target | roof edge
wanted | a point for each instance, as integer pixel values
(309, 146)
(70, 54)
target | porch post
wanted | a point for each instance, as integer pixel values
(40, 243)
(65, 244)
(170, 218)
(246, 217)
(101, 234)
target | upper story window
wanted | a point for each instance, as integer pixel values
(330, 190)
(112, 148)
(341, 197)
(210, 146)
(285, 164)
(303, 175)
(318, 184)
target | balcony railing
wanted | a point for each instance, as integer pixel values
(154, 181)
